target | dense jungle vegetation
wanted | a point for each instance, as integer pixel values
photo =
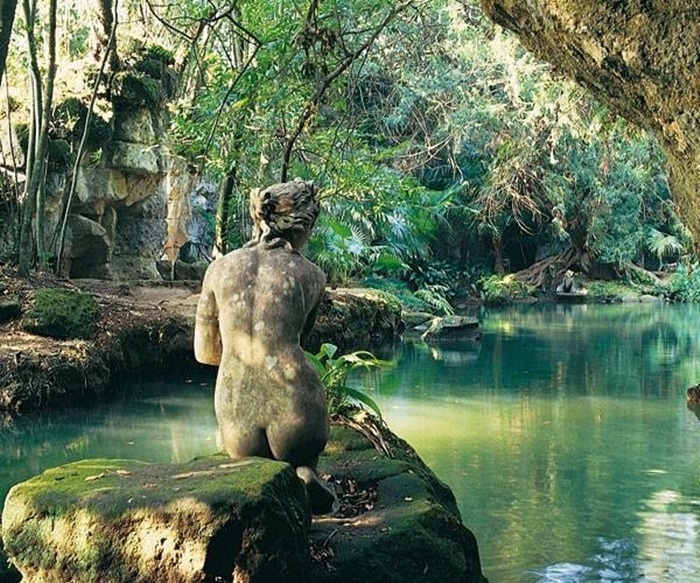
(452, 162)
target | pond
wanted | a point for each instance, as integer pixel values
(564, 435)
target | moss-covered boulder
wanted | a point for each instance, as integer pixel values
(62, 313)
(214, 519)
(356, 318)
(127, 521)
(10, 308)
(398, 522)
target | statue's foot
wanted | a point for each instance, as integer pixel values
(322, 499)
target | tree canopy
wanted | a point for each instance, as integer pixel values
(445, 151)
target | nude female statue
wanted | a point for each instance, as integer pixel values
(256, 304)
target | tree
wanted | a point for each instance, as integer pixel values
(42, 98)
(7, 18)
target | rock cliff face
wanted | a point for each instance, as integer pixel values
(640, 57)
(130, 204)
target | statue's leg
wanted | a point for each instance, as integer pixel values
(299, 445)
(322, 499)
(244, 442)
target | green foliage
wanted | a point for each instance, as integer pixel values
(69, 118)
(434, 296)
(132, 89)
(334, 372)
(662, 245)
(496, 289)
(61, 313)
(684, 284)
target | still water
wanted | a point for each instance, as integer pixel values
(564, 435)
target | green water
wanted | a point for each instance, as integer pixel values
(564, 435)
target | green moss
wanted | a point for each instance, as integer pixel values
(136, 89)
(69, 120)
(210, 503)
(63, 314)
(10, 308)
(343, 439)
(60, 155)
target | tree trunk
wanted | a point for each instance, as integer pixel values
(7, 19)
(26, 242)
(498, 263)
(39, 176)
(226, 188)
(106, 41)
(33, 205)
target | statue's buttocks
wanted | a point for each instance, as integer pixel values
(255, 305)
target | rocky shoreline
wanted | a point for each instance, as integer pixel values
(392, 502)
(144, 326)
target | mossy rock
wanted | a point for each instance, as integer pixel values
(70, 116)
(10, 308)
(62, 314)
(412, 531)
(60, 155)
(356, 318)
(133, 89)
(125, 521)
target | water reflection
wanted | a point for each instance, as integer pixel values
(557, 432)
(565, 438)
(669, 537)
(153, 423)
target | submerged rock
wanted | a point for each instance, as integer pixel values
(451, 329)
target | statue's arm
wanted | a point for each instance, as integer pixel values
(311, 318)
(207, 336)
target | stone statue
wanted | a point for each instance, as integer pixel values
(256, 304)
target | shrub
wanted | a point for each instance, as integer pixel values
(684, 285)
(334, 374)
(498, 289)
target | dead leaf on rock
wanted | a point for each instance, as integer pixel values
(95, 477)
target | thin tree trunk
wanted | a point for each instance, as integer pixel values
(7, 19)
(499, 266)
(26, 244)
(226, 188)
(39, 176)
(106, 41)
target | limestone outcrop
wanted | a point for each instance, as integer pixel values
(639, 57)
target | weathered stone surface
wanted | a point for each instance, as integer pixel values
(135, 126)
(452, 329)
(87, 248)
(134, 158)
(187, 204)
(639, 57)
(356, 318)
(412, 531)
(212, 519)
